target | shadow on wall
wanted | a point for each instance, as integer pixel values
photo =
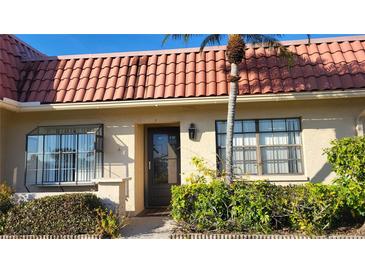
(110, 204)
(116, 153)
(329, 123)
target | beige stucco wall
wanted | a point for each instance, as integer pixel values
(3, 123)
(1, 143)
(322, 121)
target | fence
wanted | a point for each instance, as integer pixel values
(252, 237)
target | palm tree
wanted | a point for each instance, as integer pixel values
(235, 53)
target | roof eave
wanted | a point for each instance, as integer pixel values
(314, 95)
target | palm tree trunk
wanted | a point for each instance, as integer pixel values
(230, 121)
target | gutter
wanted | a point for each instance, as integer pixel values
(16, 106)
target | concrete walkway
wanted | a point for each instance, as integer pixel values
(152, 227)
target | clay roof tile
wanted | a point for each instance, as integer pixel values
(322, 65)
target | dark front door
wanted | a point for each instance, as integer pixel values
(163, 165)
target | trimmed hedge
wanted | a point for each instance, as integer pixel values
(68, 214)
(5, 198)
(258, 207)
(346, 156)
(6, 202)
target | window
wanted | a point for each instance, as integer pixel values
(69, 154)
(267, 146)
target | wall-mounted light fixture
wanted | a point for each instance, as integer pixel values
(192, 132)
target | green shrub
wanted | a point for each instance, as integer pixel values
(316, 208)
(108, 225)
(6, 202)
(6, 193)
(201, 206)
(207, 203)
(54, 215)
(203, 173)
(257, 207)
(347, 157)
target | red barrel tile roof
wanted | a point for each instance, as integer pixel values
(12, 53)
(327, 64)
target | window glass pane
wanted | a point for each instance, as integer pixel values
(222, 154)
(280, 138)
(238, 140)
(51, 168)
(296, 166)
(275, 153)
(294, 138)
(32, 161)
(52, 143)
(68, 143)
(251, 168)
(249, 126)
(237, 154)
(86, 142)
(221, 127)
(279, 125)
(86, 166)
(265, 125)
(282, 153)
(31, 177)
(34, 167)
(292, 124)
(68, 158)
(35, 144)
(294, 153)
(266, 139)
(297, 153)
(250, 154)
(222, 140)
(267, 153)
(249, 139)
(282, 167)
(237, 126)
(239, 169)
(68, 167)
(269, 168)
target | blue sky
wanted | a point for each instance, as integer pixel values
(61, 44)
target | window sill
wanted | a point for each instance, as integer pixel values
(111, 180)
(65, 184)
(279, 178)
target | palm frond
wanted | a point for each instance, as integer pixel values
(261, 39)
(271, 41)
(286, 54)
(184, 37)
(211, 39)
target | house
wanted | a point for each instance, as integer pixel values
(69, 122)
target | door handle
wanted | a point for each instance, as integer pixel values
(149, 165)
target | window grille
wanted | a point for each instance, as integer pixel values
(58, 155)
